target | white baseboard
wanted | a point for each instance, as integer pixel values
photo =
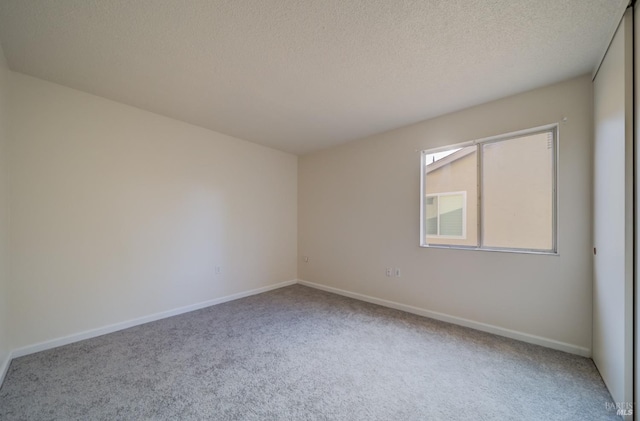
(4, 367)
(525, 337)
(513, 334)
(53, 343)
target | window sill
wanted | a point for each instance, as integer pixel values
(516, 251)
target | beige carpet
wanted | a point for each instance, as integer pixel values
(301, 354)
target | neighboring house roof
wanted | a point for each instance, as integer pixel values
(450, 158)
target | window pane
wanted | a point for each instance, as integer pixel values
(451, 180)
(451, 213)
(517, 176)
(431, 215)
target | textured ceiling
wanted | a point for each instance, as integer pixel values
(301, 75)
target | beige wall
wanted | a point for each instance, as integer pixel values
(119, 213)
(359, 213)
(5, 345)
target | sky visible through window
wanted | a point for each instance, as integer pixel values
(433, 157)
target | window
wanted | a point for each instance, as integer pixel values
(445, 214)
(492, 194)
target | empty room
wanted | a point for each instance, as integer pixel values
(318, 210)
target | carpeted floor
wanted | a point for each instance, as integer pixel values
(301, 354)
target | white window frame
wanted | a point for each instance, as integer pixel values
(554, 130)
(464, 215)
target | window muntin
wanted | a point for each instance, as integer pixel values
(510, 185)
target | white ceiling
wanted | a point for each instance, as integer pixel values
(301, 75)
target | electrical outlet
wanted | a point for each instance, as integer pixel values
(389, 272)
(398, 272)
